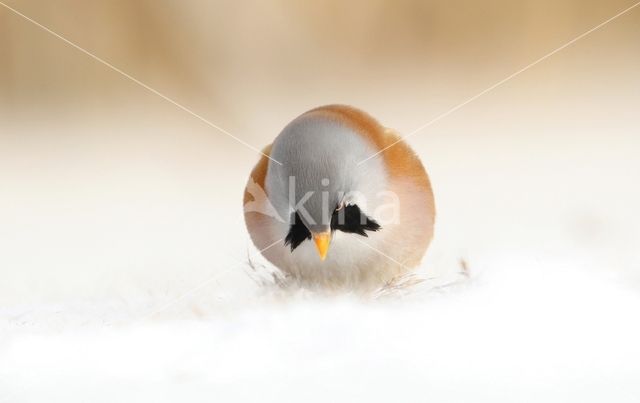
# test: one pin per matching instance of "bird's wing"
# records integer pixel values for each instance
(258, 175)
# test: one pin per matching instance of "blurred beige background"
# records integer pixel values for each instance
(108, 190)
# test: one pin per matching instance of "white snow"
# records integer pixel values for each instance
(513, 333)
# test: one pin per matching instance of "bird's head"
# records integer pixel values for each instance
(320, 187)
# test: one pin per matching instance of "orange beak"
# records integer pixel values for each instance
(322, 240)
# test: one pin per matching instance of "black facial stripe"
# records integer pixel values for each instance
(351, 219)
(298, 232)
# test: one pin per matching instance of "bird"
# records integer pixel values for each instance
(339, 202)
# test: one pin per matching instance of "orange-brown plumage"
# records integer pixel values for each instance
(404, 242)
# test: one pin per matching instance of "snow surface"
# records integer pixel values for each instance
(514, 333)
